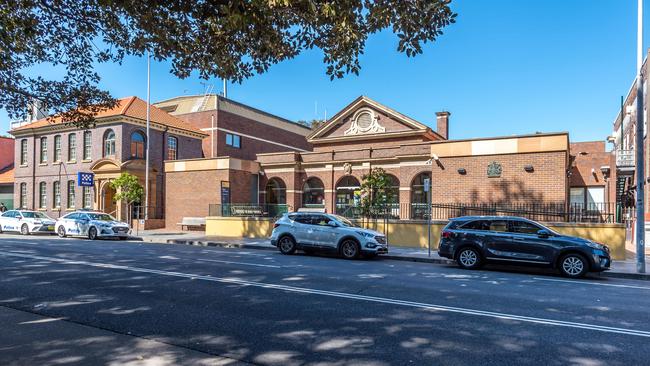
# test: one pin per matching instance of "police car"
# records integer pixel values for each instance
(26, 222)
(92, 225)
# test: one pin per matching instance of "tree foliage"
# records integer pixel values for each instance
(375, 191)
(229, 39)
(128, 188)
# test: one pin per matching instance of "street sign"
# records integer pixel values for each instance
(85, 179)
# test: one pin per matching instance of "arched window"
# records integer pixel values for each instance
(172, 148)
(109, 143)
(276, 192)
(43, 157)
(57, 148)
(42, 195)
(419, 196)
(23, 195)
(348, 195)
(137, 145)
(313, 192)
(72, 147)
(392, 191)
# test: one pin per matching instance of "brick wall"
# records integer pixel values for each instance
(6, 152)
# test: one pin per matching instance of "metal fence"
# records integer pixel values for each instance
(247, 210)
(155, 212)
(549, 212)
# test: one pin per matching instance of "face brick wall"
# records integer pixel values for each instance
(547, 184)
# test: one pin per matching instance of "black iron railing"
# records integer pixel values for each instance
(154, 212)
(247, 210)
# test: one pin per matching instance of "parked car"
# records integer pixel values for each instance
(313, 232)
(26, 222)
(473, 241)
(93, 225)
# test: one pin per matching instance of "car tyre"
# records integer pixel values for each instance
(287, 245)
(92, 233)
(469, 258)
(573, 265)
(349, 249)
(24, 229)
(61, 232)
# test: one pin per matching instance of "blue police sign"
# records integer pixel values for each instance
(85, 179)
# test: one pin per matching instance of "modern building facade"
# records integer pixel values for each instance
(49, 154)
(237, 130)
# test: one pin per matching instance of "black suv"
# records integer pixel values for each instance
(474, 240)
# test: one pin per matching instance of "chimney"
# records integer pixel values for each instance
(442, 119)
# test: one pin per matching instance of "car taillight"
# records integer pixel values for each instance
(276, 225)
(447, 234)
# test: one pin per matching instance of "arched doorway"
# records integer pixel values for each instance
(419, 198)
(348, 195)
(392, 197)
(276, 196)
(313, 193)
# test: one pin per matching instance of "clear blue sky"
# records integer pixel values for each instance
(505, 67)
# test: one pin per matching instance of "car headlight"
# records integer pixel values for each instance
(593, 245)
(366, 235)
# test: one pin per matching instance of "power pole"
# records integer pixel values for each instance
(146, 154)
(640, 160)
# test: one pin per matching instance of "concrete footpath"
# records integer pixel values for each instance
(620, 269)
(30, 339)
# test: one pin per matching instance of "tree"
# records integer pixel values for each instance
(375, 192)
(128, 189)
(229, 39)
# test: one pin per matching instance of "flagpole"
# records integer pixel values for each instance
(146, 171)
(640, 156)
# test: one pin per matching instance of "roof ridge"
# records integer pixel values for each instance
(128, 104)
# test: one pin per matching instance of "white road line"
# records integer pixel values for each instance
(591, 283)
(382, 300)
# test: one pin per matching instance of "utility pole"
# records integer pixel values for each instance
(146, 154)
(640, 160)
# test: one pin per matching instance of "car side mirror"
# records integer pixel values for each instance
(332, 224)
(543, 233)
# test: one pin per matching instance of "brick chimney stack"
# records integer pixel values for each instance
(442, 118)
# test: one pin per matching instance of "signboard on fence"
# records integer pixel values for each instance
(85, 179)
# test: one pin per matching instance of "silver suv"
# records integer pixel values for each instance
(313, 232)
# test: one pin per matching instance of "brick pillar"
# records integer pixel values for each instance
(404, 202)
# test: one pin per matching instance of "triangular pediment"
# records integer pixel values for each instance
(365, 117)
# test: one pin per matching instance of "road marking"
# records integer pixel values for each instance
(381, 300)
(591, 283)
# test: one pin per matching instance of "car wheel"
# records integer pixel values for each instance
(469, 258)
(61, 232)
(350, 249)
(287, 245)
(24, 229)
(92, 233)
(573, 265)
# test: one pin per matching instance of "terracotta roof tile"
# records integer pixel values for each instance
(7, 176)
(131, 107)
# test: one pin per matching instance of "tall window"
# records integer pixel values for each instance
(109, 143)
(23, 152)
(88, 197)
(56, 190)
(43, 159)
(172, 148)
(71, 198)
(42, 195)
(233, 140)
(23, 195)
(313, 192)
(88, 145)
(57, 148)
(72, 147)
(137, 145)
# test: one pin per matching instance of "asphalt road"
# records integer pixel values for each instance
(264, 308)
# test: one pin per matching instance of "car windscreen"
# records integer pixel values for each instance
(344, 221)
(34, 215)
(101, 217)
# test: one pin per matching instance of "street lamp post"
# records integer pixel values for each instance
(146, 154)
(640, 173)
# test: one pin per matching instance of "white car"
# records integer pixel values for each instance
(26, 222)
(92, 225)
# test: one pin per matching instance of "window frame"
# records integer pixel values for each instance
(86, 193)
(57, 149)
(232, 143)
(136, 144)
(23, 152)
(42, 195)
(513, 223)
(43, 150)
(71, 198)
(72, 147)
(108, 144)
(23, 195)
(87, 145)
(170, 149)
(56, 194)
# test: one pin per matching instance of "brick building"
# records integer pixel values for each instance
(237, 130)
(49, 153)
(7, 171)
(527, 169)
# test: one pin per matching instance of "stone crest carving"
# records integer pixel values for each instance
(347, 168)
(364, 121)
(494, 170)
